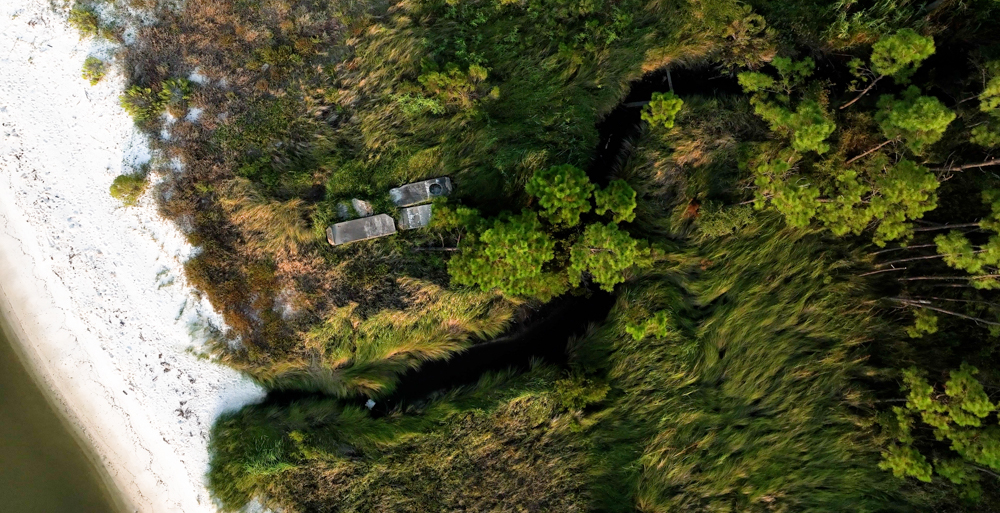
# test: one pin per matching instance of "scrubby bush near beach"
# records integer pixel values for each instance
(94, 70)
(128, 188)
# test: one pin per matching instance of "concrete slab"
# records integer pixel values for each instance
(420, 192)
(360, 229)
(414, 217)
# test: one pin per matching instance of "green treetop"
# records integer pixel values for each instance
(605, 252)
(808, 125)
(979, 261)
(791, 75)
(955, 416)
(662, 110)
(900, 54)
(989, 99)
(563, 192)
(919, 120)
(510, 256)
(902, 193)
(925, 323)
(779, 186)
(849, 202)
(988, 133)
(618, 199)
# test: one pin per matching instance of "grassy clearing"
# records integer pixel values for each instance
(349, 354)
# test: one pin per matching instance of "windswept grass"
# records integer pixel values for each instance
(759, 373)
(502, 445)
(350, 354)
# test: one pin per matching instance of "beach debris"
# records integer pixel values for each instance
(415, 217)
(356, 208)
(362, 208)
(360, 229)
(420, 192)
(343, 210)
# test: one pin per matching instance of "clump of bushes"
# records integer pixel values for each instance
(85, 20)
(145, 104)
(541, 255)
(94, 70)
(142, 103)
(175, 95)
(127, 188)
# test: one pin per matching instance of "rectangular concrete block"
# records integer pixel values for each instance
(420, 192)
(360, 229)
(414, 217)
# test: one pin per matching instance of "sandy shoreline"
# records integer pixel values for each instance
(96, 290)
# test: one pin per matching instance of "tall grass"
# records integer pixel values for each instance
(350, 354)
(751, 402)
(501, 445)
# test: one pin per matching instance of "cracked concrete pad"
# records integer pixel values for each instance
(420, 192)
(415, 217)
(360, 229)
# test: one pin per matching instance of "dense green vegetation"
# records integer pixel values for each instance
(127, 188)
(800, 231)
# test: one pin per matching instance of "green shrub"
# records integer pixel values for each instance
(142, 103)
(718, 221)
(563, 192)
(174, 96)
(662, 110)
(85, 21)
(94, 70)
(128, 188)
(919, 120)
(618, 200)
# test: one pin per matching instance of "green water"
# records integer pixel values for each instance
(43, 468)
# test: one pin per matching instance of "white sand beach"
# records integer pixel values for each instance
(96, 289)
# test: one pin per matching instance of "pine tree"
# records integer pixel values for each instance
(808, 125)
(563, 192)
(510, 256)
(617, 199)
(904, 192)
(900, 54)
(988, 133)
(662, 110)
(919, 120)
(606, 253)
(980, 262)
(955, 416)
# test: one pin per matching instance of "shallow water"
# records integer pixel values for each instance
(43, 469)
